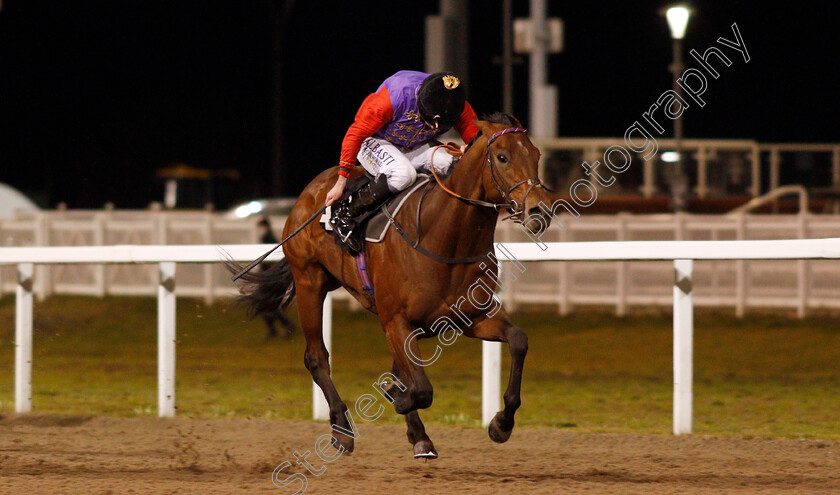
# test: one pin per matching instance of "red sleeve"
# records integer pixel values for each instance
(375, 112)
(466, 124)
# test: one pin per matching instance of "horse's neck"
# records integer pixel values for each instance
(461, 229)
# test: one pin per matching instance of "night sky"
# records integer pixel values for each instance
(95, 96)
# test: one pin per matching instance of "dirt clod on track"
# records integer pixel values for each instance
(99, 455)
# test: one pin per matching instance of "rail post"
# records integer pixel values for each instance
(755, 171)
(622, 269)
(702, 172)
(23, 339)
(741, 277)
(166, 340)
(491, 380)
(803, 282)
(683, 346)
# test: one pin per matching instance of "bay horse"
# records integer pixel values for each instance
(412, 290)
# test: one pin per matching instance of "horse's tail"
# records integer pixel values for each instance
(268, 290)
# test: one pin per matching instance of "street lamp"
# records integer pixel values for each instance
(677, 20)
(677, 16)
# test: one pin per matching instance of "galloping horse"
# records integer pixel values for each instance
(412, 289)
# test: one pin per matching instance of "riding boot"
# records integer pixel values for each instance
(371, 195)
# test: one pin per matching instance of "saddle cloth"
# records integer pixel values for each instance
(377, 224)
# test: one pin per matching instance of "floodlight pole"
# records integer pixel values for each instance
(679, 183)
(507, 56)
(538, 72)
(677, 17)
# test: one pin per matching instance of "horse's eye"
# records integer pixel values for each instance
(502, 158)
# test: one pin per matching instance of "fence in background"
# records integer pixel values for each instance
(716, 167)
(103, 228)
(794, 284)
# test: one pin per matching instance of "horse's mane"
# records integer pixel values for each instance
(501, 118)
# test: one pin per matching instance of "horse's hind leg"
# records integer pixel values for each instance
(312, 287)
(502, 330)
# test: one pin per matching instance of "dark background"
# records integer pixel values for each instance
(95, 96)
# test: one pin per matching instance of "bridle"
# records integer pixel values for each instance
(517, 211)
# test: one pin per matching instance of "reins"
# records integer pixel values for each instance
(517, 211)
(511, 204)
(455, 151)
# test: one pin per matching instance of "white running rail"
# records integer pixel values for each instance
(682, 252)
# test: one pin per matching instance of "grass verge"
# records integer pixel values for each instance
(764, 375)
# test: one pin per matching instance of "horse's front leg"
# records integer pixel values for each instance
(416, 391)
(417, 437)
(416, 432)
(501, 329)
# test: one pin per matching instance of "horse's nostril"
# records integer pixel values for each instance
(535, 211)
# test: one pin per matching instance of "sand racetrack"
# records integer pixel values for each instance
(69, 454)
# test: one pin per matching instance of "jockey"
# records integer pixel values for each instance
(393, 137)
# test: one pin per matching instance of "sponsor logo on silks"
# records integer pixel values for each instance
(376, 152)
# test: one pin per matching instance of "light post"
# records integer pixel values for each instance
(507, 56)
(677, 17)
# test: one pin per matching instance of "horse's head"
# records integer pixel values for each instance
(510, 173)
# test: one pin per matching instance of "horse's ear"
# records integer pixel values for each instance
(484, 127)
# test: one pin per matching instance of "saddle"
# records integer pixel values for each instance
(373, 225)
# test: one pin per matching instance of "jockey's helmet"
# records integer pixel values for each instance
(441, 99)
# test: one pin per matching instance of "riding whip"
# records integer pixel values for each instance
(266, 255)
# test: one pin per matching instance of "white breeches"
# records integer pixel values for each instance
(378, 156)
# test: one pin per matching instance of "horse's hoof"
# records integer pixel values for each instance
(342, 442)
(497, 434)
(425, 450)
